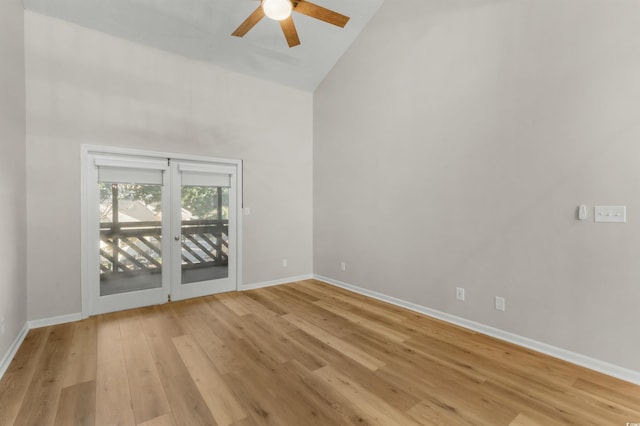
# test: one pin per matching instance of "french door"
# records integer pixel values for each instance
(204, 199)
(158, 229)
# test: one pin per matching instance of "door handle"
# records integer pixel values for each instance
(177, 238)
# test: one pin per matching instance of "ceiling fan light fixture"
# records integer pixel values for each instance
(277, 9)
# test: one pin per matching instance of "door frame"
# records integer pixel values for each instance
(87, 290)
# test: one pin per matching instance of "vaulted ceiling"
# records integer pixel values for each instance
(201, 29)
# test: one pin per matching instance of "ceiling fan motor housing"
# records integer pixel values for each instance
(277, 9)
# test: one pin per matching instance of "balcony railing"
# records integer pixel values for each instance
(131, 248)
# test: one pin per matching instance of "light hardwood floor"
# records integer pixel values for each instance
(298, 354)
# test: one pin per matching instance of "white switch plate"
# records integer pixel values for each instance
(460, 293)
(343, 266)
(611, 214)
(500, 304)
(247, 211)
(285, 263)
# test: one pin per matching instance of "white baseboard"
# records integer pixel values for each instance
(45, 322)
(563, 354)
(13, 349)
(62, 319)
(253, 286)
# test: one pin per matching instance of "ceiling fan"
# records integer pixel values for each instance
(280, 10)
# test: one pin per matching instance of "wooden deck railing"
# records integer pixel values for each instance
(131, 248)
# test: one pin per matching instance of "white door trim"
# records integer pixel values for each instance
(85, 198)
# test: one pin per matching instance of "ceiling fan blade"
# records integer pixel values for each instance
(289, 30)
(250, 22)
(321, 13)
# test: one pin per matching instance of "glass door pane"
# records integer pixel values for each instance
(130, 237)
(205, 233)
(203, 222)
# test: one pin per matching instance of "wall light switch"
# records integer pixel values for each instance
(611, 214)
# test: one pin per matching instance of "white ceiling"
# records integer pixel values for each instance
(200, 29)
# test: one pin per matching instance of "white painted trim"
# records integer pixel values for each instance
(13, 349)
(239, 221)
(563, 354)
(287, 280)
(84, 233)
(62, 319)
(102, 149)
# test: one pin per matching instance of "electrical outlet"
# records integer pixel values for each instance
(500, 304)
(1, 326)
(285, 263)
(460, 293)
(343, 266)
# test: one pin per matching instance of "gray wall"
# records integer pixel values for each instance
(87, 87)
(13, 304)
(452, 145)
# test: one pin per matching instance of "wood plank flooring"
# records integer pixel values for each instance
(303, 353)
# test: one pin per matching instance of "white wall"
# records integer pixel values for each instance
(13, 304)
(87, 87)
(452, 145)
